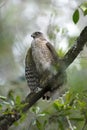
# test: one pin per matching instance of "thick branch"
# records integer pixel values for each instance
(76, 48)
(7, 120)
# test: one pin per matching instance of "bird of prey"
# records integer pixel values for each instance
(41, 64)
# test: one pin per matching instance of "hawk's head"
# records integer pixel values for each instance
(37, 35)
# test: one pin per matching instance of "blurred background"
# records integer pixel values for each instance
(18, 20)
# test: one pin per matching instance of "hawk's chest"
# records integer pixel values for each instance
(41, 55)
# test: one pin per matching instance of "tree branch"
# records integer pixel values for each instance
(76, 48)
(6, 120)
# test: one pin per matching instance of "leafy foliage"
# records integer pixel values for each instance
(61, 113)
(76, 14)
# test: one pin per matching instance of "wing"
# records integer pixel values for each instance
(53, 51)
(53, 67)
(31, 74)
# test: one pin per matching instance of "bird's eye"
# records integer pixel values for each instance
(37, 33)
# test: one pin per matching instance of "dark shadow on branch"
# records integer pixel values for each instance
(7, 120)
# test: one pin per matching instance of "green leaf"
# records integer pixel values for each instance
(83, 7)
(18, 100)
(0, 107)
(35, 110)
(23, 117)
(60, 124)
(58, 105)
(39, 126)
(3, 98)
(77, 118)
(45, 123)
(11, 95)
(76, 16)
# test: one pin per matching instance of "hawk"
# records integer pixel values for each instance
(41, 64)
